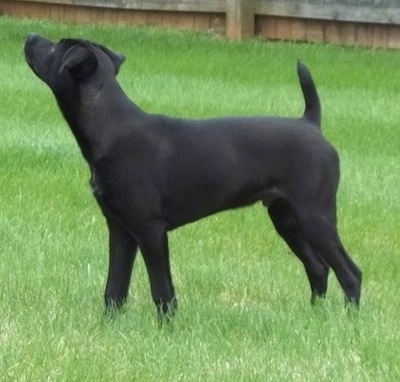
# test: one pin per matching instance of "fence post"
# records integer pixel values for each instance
(239, 19)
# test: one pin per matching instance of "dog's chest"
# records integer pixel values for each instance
(95, 184)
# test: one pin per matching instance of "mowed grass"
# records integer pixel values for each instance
(244, 312)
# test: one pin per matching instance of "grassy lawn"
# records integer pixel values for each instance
(244, 312)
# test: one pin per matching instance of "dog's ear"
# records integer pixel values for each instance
(80, 61)
(120, 58)
(117, 58)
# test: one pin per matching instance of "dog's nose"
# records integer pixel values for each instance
(31, 36)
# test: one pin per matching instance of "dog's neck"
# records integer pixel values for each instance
(88, 107)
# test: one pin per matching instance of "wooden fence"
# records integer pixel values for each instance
(371, 23)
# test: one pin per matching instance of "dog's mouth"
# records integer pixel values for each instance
(30, 60)
(29, 49)
(28, 53)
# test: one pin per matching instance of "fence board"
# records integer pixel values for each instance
(239, 18)
(315, 30)
(370, 23)
(340, 33)
(368, 11)
(217, 6)
(393, 37)
(299, 29)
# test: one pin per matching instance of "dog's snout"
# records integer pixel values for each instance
(36, 39)
(31, 40)
(33, 49)
(31, 37)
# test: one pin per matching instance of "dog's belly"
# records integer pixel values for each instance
(180, 209)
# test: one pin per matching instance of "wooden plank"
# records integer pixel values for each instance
(218, 23)
(283, 28)
(109, 16)
(202, 21)
(155, 18)
(393, 37)
(82, 15)
(364, 35)
(56, 12)
(340, 33)
(266, 27)
(35, 11)
(239, 19)
(269, 27)
(315, 31)
(70, 14)
(217, 6)
(299, 29)
(370, 11)
(139, 17)
(115, 16)
(187, 21)
(379, 36)
(176, 20)
(347, 33)
(332, 32)
(132, 17)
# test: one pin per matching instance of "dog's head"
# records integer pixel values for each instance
(63, 64)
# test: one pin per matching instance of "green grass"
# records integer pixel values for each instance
(244, 312)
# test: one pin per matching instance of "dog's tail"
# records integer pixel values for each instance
(313, 107)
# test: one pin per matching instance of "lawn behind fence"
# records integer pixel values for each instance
(244, 298)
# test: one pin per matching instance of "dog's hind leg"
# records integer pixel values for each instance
(319, 227)
(123, 248)
(153, 243)
(286, 224)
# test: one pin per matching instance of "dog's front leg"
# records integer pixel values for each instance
(153, 244)
(123, 248)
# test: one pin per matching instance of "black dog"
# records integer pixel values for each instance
(152, 173)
